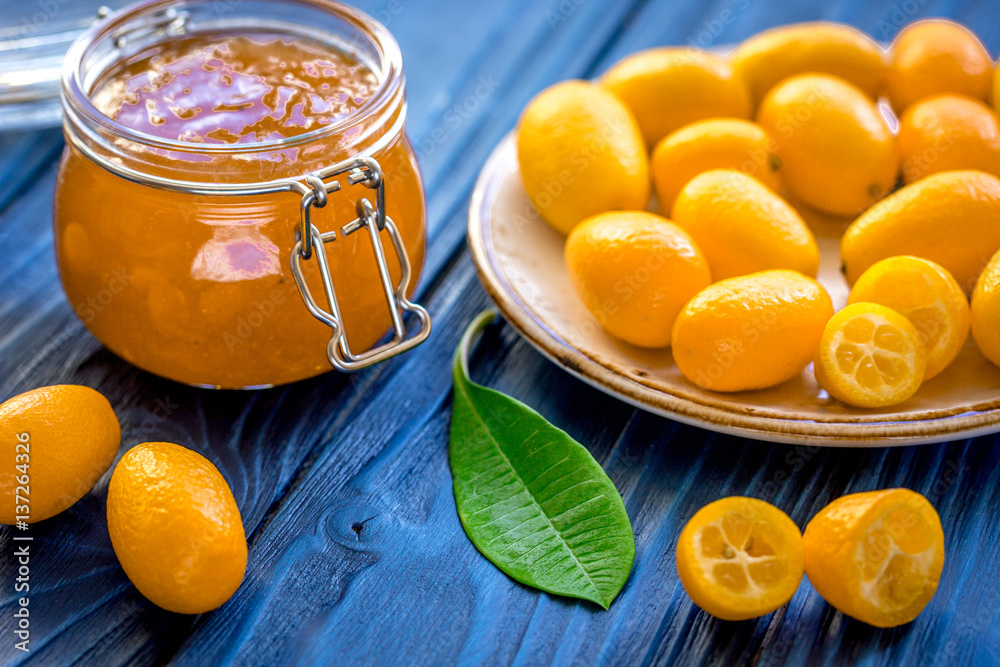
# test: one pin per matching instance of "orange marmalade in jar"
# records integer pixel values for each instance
(238, 205)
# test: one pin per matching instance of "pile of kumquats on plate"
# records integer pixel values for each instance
(740, 150)
(814, 121)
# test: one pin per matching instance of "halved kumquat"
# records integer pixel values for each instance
(876, 556)
(740, 558)
(870, 356)
(927, 295)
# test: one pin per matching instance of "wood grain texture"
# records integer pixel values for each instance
(307, 461)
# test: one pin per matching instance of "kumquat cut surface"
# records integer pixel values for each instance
(927, 295)
(740, 558)
(870, 356)
(876, 556)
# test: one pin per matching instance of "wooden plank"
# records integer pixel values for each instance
(22, 157)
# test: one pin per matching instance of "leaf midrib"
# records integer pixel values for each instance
(465, 392)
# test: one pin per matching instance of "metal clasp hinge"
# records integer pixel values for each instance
(309, 241)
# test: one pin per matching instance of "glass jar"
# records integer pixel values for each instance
(240, 265)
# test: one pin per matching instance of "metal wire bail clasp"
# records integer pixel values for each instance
(309, 241)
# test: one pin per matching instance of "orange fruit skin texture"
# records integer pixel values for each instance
(783, 539)
(73, 436)
(831, 543)
(175, 528)
(986, 311)
(742, 227)
(715, 143)
(751, 332)
(927, 295)
(580, 153)
(667, 88)
(937, 56)
(995, 88)
(837, 154)
(634, 271)
(820, 47)
(948, 132)
(951, 218)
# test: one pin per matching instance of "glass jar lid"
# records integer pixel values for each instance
(34, 38)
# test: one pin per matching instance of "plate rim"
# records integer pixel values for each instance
(718, 419)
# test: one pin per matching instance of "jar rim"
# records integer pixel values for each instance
(388, 69)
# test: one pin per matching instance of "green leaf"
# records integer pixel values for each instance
(532, 499)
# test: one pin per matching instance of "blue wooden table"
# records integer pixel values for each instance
(309, 461)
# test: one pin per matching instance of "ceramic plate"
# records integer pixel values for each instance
(520, 261)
